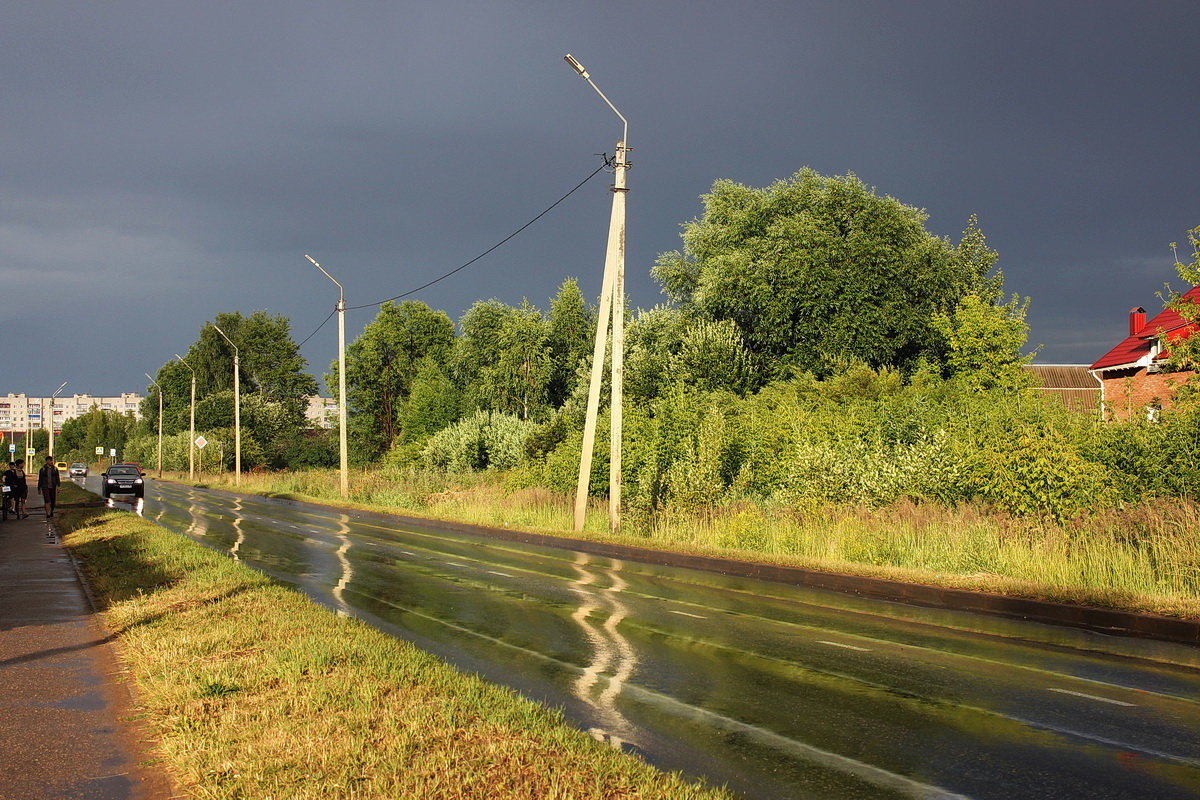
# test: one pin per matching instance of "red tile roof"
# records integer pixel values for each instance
(1137, 345)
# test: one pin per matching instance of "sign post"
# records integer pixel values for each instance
(200, 442)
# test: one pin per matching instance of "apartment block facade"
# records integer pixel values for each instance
(19, 412)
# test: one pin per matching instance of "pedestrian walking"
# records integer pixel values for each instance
(48, 481)
(8, 482)
(20, 488)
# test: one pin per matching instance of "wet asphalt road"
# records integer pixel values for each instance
(776, 691)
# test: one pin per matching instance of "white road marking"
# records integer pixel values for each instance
(846, 646)
(1096, 697)
(456, 564)
(686, 614)
(502, 574)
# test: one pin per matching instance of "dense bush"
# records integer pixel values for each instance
(484, 440)
(872, 437)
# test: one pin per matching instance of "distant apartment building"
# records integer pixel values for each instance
(19, 412)
(322, 412)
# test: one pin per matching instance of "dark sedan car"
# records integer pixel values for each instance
(123, 479)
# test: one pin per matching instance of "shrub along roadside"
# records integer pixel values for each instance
(254, 691)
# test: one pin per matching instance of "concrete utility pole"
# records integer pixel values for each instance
(237, 409)
(160, 413)
(191, 424)
(612, 307)
(343, 450)
(53, 397)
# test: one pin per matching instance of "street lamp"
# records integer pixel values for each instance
(237, 408)
(53, 397)
(191, 425)
(612, 304)
(160, 413)
(342, 448)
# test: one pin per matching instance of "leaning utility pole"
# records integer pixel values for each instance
(612, 308)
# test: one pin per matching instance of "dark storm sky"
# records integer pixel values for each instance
(164, 162)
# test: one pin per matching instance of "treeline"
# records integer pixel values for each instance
(819, 345)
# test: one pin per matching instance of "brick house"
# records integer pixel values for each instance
(1131, 375)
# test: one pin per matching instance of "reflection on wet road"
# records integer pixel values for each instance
(778, 691)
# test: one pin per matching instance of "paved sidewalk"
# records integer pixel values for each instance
(62, 706)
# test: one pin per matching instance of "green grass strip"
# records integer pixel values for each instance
(253, 691)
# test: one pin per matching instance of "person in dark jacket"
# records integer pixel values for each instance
(48, 481)
(9, 480)
(20, 489)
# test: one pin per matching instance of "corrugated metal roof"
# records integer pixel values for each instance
(1137, 345)
(1062, 376)
(1071, 383)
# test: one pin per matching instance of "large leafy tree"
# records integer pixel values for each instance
(273, 383)
(270, 365)
(382, 363)
(478, 350)
(818, 270)
(519, 380)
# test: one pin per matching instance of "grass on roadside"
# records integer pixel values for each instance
(1143, 558)
(253, 691)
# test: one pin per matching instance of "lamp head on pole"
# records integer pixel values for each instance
(575, 65)
(341, 289)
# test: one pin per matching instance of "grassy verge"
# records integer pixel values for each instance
(1144, 558)
(255, 692)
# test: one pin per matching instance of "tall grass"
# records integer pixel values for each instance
(1144, 557)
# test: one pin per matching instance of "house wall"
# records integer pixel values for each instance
(1128, 392)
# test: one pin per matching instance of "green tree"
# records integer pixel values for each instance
(569, 333)
(518, 382)
(985, 340)
(818, 270)
(270, 365)
(478, 349)
(666, 347)
(1185, 350)
(432, 403)
(382, 363)
(272, 362)
(97, 428)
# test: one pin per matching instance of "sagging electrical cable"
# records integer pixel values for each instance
(606, 163)
(496, 246)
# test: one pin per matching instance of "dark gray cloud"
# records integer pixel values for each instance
(161, 163)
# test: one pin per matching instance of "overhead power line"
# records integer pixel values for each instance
(314, 333)
(494, 247)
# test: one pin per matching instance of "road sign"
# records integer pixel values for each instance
(112, 452)
(99, 451)
(201, 441)
(29, 451)
(12, 447)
